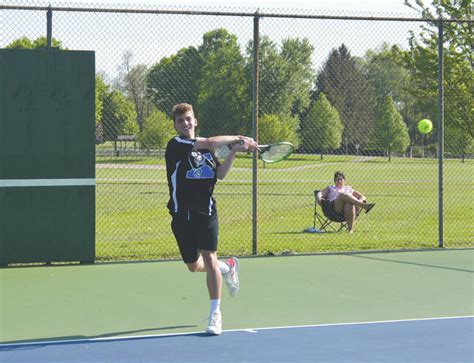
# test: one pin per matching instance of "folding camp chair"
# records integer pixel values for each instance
(326, 221)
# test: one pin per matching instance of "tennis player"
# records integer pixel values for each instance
(192, 170)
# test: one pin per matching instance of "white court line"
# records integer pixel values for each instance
(247, 330)
(14, 183)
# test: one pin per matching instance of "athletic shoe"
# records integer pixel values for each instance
(214, 326)
(231, 278)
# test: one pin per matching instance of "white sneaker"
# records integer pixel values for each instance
(214, 326)
(231, 278)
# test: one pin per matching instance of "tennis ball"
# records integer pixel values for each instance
(425, 126)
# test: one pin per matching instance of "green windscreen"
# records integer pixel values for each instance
(47, 156)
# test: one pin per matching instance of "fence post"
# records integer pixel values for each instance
(440, 132)
(49, 27)
(255, 93)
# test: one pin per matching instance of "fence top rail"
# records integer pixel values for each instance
(221, 13)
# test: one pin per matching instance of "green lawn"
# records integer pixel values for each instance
(133, 223)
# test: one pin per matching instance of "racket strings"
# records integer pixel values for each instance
(276, 152)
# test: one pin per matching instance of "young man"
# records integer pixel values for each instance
(192, 170)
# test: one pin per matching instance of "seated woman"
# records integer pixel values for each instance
(341, 203)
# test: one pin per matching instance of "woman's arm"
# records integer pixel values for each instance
(358, 195)
(323, 194)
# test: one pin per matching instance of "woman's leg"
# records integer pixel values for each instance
(350, 214)
(342, 199)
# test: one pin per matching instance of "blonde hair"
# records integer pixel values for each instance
(181, 108)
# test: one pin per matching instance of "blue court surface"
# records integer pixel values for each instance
(448, 339)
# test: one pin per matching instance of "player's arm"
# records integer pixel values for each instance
(224, 168)
(215, 142)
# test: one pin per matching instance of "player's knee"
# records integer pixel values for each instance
(210, 261)
(193, 267)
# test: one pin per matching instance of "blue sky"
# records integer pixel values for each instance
(149, 41)
(374, 6)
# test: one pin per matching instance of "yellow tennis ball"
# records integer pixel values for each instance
(425, 126)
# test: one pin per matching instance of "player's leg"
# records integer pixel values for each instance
(214, 287)
(207, 239)
(197, 266)
(187, 243)
(214, 276)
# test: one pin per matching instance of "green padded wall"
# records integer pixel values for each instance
(47, 156)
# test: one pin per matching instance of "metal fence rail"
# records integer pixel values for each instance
(348, 91)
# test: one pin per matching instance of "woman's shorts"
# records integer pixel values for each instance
(329, 211)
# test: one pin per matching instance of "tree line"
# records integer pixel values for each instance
(368, 104)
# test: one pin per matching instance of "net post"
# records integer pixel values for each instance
(255, 93)
(49, 28)
(440, 132)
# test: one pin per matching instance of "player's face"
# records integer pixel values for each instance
(185, 124)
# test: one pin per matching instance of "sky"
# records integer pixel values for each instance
(110, 36)
(374, 6)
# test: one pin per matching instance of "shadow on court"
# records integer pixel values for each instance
(80, 338)
(412, 263)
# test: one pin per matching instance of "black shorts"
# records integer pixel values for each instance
(195, 232)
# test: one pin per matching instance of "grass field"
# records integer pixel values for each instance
(133, 223)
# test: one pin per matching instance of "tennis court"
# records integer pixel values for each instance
(396, 307)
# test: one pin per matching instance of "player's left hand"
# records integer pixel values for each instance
(246, 144)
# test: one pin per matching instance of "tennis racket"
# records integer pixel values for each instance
(271, 153)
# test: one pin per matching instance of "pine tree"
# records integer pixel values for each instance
(347, 89)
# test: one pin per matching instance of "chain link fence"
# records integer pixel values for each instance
(347, 91)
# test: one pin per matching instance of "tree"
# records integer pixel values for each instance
(101, 89)
(390, 130)
(157, 131)
(387, 76)
(223, 102)
(458, 34)
(132, 82)
(175, 79)
(322, 127)
(458, 142)
(275, 128)
(422, 61)
(38, 43)
(344, 85)
(286, 75)
(118, 116)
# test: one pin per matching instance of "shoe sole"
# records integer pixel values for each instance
(212, 332)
